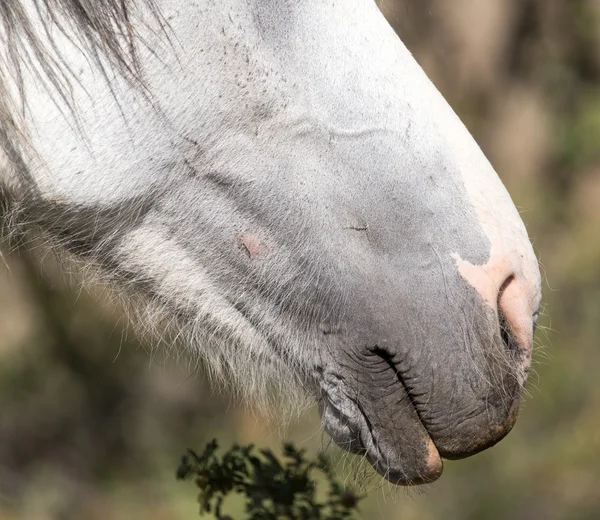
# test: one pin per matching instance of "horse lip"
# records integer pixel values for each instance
(433, 467)
(361, 439)
(413, 435)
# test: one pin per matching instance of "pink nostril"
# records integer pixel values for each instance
(514, 304)
(510, 284)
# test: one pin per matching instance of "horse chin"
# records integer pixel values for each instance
(416, 461)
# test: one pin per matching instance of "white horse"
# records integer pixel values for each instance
(283, 182)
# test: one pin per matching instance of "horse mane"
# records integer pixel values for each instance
(103, 29)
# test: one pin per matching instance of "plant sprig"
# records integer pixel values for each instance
(274, 490)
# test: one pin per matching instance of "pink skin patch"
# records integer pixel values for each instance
(253, 245)
(503, 283)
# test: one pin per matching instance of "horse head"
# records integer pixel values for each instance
(282, 181)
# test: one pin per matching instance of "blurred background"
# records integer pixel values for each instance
(92, 426)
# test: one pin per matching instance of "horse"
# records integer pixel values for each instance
(282, 183)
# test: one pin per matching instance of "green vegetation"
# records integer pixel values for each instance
(273, 490)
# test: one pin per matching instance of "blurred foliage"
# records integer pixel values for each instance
(274, 490)
(89, 428)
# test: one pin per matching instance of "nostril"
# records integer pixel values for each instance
(517, 323)
(505, 333)
(509, 284)
(503, 287)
